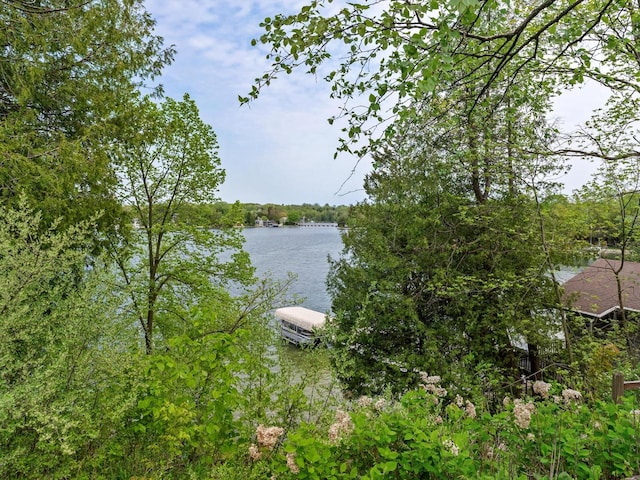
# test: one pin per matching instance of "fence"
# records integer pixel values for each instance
(620, 386)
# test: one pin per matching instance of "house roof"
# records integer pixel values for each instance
(594, 292)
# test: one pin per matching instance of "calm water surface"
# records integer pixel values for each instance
(303, 251)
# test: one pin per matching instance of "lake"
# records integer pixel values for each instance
(300, 250)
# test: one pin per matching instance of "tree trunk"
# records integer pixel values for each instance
(535, 361)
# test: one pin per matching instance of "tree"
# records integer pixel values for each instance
(615, 186)
(167, 160)
(294, 216)
(476, 64)
(65, 66)
(394, 53)
(444, 268)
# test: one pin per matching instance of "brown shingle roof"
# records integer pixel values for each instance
(594, 292)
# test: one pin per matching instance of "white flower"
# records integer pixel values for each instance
(343, 425)
(529, 406)
(429, 380)
(470, 409)
(268, 436)
(429, 387)
(254, 452)
(571, 395)
(453, 448)
(522, 413)
(291, 463)
(441, 392)
(541, 388)
(380, 404)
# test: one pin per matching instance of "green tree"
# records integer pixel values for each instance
(444, 270)
(394, 52)
(65, 66)
(615, 188)
(169, 159)
(250, 218)
(294, 216)
(476, 70)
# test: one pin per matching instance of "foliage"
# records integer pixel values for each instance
(297, 213)
(444, 268)
(455, 251)
(422, 436)
(78, 400)
(613, 189)
(169, 160)
(68, 372)
(382, 58)
(206, 395)
(188, 409)
(447, 264)
(192, 410)
(64, 68)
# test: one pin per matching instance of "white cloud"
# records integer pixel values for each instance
(279, 148)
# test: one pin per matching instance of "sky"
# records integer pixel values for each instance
(280, 148)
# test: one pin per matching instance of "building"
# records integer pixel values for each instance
(593, 293)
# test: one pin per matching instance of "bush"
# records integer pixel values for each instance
(66, 370)
(424, 435)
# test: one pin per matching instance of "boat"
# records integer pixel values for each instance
(300, 325)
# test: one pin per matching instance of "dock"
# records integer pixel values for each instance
(316, 224)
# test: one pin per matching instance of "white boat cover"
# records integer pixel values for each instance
(302, 317)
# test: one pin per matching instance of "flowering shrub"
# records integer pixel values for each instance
(541, 388)
(426, 436)
(342, 426)
(522, 413)
(268, 436)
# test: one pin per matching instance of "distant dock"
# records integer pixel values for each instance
(316, 224)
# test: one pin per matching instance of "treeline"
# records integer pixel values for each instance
(599, 221)
(213, 215)
(586, 218)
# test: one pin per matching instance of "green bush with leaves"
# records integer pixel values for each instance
(67, 372)
(187, 410)
(203, 397)
(428, 435)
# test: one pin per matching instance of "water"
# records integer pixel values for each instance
(303, 251)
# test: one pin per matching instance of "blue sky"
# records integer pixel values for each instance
(280, 148)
